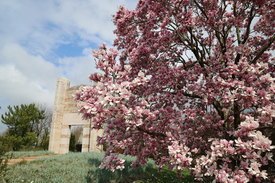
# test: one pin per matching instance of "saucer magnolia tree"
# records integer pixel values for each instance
(189, 83)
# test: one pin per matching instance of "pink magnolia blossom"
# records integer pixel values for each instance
(112, 163)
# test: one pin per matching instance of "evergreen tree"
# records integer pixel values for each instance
(23, 122)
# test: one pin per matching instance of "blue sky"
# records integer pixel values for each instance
(41, 41)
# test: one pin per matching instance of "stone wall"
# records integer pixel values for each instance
(66, 115)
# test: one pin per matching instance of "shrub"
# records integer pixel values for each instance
(4, 157)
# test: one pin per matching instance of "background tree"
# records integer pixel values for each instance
(78, 131)
(28, 126)
(189, 84)
(72, 145)
(76, 138)
(43, 128)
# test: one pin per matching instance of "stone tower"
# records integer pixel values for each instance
(65, 116)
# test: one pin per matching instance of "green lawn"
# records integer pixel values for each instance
(83, 167)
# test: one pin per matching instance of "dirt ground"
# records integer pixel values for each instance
(29, 158)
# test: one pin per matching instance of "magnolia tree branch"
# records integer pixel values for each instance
(263, 49)
(153, 134)
(248, 27)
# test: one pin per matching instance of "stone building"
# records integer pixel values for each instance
(65, 116)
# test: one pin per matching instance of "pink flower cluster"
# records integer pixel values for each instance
(237, 161)
(179, 155)
(112, 162)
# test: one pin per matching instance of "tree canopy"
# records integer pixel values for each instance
(189, 84)
(27, 125)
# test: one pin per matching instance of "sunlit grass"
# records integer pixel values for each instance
(83, 167)
(20, 154)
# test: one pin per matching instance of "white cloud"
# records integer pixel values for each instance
(27, 78)
(24, 77)
(17, 88)
(30, 32)
(43, 25)
(77, 69)
(33, 67)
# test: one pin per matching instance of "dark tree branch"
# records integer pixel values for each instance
(218, 108)
(238, 57)
(191, 95)
(201, 9)
(153, 134)
(237, 28)
(237, 118)
(250, 18)
(264, 48)
(218, 36)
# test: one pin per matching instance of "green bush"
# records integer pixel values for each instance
(11, 142)
(3, 164)
(3, 160)
(15, 143)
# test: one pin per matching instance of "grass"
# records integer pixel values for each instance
(83, 167)
(20, 154)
